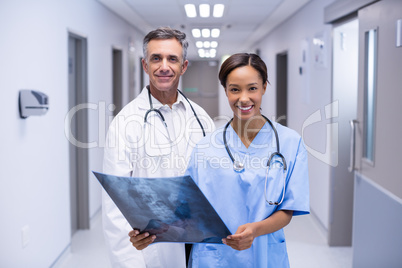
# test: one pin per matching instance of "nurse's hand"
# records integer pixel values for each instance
(140, 241)
(243, 238)
(245, 234)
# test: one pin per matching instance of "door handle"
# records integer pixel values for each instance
(352, 166)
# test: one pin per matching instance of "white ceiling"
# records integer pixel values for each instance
(244, 23)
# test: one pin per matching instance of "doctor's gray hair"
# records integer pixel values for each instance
(163, 33)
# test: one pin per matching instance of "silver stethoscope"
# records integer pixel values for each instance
(152, 109)
(275, 159)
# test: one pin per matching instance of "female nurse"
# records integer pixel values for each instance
(254, 200)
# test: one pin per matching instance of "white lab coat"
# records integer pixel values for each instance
(125, 155)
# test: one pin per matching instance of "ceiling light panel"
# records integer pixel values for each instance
(207, 53)
(196, 33)
(204, 10)
(212, 53)
(191, 12)
(206, 33)
(215, 33)
(218, 10)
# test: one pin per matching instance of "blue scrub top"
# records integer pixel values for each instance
(239, 197)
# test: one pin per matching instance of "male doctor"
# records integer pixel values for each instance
(158, 148)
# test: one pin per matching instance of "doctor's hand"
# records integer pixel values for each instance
(140, 241)
(243, 238)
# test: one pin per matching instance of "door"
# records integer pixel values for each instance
(282, 88)
(377, 218)
(344, 93)
(117, 80)
(200, 84)
(78, 124)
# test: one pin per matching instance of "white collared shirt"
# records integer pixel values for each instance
(175, 118)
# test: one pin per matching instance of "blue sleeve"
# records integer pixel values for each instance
(297, 185)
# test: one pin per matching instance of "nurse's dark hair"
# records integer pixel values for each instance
(240, 60)
(163, 33)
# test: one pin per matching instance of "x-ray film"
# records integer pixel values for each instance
(174, 209)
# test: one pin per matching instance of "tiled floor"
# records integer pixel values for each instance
(306, 247)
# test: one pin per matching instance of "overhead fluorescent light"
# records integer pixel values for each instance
(204, 10)
(214, 44)
(212, 53)
(215, 33)
(201, 53)
(207, 53)
(218, 10)
(206, 33)
(196, 33)
(199, 44)
(191, 12)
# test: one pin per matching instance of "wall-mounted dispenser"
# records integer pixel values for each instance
(32, 102)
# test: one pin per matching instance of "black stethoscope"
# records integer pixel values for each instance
(152, 109)
(239, 167)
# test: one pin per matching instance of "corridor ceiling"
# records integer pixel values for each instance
(244, 22)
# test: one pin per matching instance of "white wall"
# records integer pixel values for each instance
(307, 93)
(34, 171)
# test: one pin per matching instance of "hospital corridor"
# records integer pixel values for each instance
(115, 104)
(306, 246)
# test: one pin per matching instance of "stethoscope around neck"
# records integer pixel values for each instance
(152, 109)
(239, 167)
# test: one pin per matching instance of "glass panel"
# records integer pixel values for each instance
(370, 92)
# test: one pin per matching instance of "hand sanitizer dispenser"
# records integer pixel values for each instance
(32, 103)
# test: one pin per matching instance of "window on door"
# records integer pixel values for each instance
(370, 93)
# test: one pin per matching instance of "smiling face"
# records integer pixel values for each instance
(164, 65)
(244, 89)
